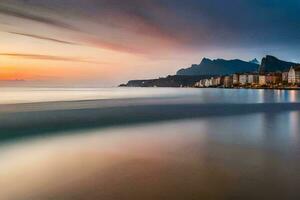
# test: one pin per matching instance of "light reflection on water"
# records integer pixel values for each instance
(27, 95)
(294, 126)
(237, 155)
(254, 156)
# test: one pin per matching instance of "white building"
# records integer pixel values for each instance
(294, 75)
(253, 79)
(243, 79)
(207, 83)
(199, 84)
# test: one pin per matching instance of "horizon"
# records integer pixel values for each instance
(149, 99)
(105, 43)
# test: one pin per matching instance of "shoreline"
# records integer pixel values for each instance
(258, 88)
(237, 88)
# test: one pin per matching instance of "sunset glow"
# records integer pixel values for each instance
(109, 42)
(149, 99)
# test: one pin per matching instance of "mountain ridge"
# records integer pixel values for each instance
(255, 61)
(208, 68)
(218, 67)
(273, 64)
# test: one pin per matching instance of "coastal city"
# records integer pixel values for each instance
(270, 73)
(281, 80)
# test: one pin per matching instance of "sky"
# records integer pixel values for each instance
(107, 42)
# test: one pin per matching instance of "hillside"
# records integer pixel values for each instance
(169, 81)
(219, 67)
(273, 64)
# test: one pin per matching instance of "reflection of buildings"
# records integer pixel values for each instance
(280, 128)
(293, 96)
(294, 118)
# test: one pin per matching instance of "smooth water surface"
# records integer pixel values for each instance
(12, 95)
(245, 144)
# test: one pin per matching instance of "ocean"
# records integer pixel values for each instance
(149, 143)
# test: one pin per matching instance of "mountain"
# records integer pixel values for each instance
(219, 67)
(169, 81)
(273, 64)
(210, 68)
(254, 61)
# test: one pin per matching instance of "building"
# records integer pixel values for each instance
(221, 80)
(207, 83)
(262, 80)
(277, 78)
(294, 75)
(285, 77)
(235, 79)
(211, 82)
(253, 79)
(228, 81)
(202, 83)
(218, 81)
(199, 84)
(243, 79)
(273, 79)
(214, 82)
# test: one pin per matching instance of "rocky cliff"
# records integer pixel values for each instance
(273, 64)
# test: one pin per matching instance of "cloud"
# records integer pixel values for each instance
(110, 45)
(36, 18)
(151, 26)
(43, 38)
(48, 57)
(123, 26)
(87, 41)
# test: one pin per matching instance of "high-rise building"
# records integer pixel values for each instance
(294, 75)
